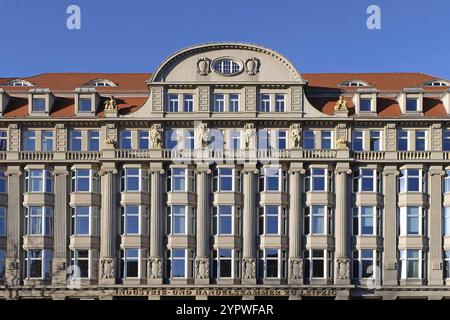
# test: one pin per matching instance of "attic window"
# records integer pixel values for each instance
(18, 83)
(101, 83)
(437, 83)
(354, 83)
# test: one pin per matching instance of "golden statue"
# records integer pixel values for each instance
(341, 104)
(111, 104)
(341, 144)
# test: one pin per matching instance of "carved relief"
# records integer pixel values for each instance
(248, 268)
(295, 136)
(252, 66)
(341, 144)
(202, 268)
(155, 137)
(154, 268)
(60, 266)
(249, 136)
(342, 268)
(295, 268)
(107, 268)
(202, 135)
(111, 104)
(203, 66)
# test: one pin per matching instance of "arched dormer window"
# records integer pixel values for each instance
(101, 83)
(18, 83)
(354, 83)
(436, 83)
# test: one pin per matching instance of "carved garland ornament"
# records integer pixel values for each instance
(203, 66)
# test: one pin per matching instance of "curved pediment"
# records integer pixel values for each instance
(227, 62)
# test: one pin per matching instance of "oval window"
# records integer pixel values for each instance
(226, 66)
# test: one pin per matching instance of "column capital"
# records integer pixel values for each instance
(202, 170)
(296, 167)
(13, 172)
(60, 172)
(389, 171)
(105, 171)
(156, 170)
(342, 168)
(436, 171)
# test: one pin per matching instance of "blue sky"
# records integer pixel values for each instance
(136, 35)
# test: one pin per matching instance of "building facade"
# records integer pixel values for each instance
(225, 173)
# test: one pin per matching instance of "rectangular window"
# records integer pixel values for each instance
(223, 220)
(226, 264)
(315, 264)
(411, 104)
(179, 180)
(189, 139)
(29, 140)
(375, 140)
(365, 221)
(234, 103)
(129, 266)
(132, 180)
(235, 140)
(144, 140)
(188, 103)
(357, 140)
(181, 220)
(93, 140)
(47, 140)
(365, 105)
(272, 264)
(84, 105)
(38, 105)
(171, 138)
(39, 221)
(80, 260)
(402, 140)
(326, 140)
(282, 140)
(3, 182)
(366, 180)
(134, 220)
(38, 180)
(2, 222)
(84, 221)
(225, 178)
(264, 103)
(445, 140)
(421, 142)
(364, 264)
(272, 220)
(179, 261)
(411, 222)
(318, 179)
(75, 141)
(446, 221)
(411, 264)
(3, 140)
(38, 264)
(2, 263)
(279, 103)
(411, 180)
(219, 103)
(84, 180)
(318, 220)
(172, 103)
(125, 139)
(264, 139)
(309, 140)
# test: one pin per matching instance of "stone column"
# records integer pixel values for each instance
(342, 236)
(60, 225)
(14, 224)
(108, 225)
(435, 226)
(202, 227)
(249, 225)
(295, 223)
(154, 267)
(389, 273)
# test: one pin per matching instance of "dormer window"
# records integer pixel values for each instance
(101, 83)
(365, 105)
(38, 105)
(411, 104)
(354, 83)
(18, 83)
(84, 105)
(437, 83)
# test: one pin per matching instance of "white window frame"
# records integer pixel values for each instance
(46, 220)
(74, 258)
(93, 180)
(282, 220)
(405, 215)
(404, 180)
(125, 259)
(173, 103)
(323, 139)
(189, 220)
(235, 261)
(218, 102)
(126, 175)
(376, 223)
(280, 102)
(264, 103)
(233, 104)
(188, 102)
(188, 262)
(45, 258)
(360, 259)
(404, 264)
(281, 263)
(93, 218)
(142, 217)
(45, 177)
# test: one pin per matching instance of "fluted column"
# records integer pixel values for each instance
(14, 221)
(60, 229)
(295, 223)
(249, 225)
(154, 268)
(202, 226)
(342, 260)
(435, 223)
(108, 225)
(389, 274)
